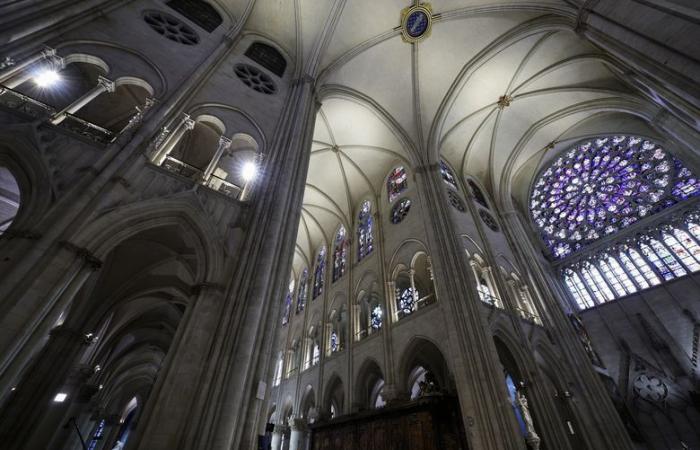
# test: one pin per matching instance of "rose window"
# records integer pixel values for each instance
(601, 186)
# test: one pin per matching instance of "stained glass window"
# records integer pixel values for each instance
(319, 272)
(667, 258)
(400, 210)
(303, 286)
(447, 175)
(684, 247)
(406, 301)
(365, 231)
(340, 254)
(485, 294)
(621, 275)
(646, 270)
(601, 186)
(97, 436)
(578, 290)
(288, 302)
(376, 317)
(335, 342)
(615, 279)
(396, 183)
(694, 230)
(478, 194)
(316, 355)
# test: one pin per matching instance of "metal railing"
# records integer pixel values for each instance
(529, 316)
(35, 109)
(12, 99)
(227, 188)
(181, 168)
(86, 129)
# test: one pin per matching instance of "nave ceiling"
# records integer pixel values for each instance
(497, 89)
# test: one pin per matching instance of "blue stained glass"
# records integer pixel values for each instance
(406, 300)
(447, 175)
(319, 273)
(603, 185)
(288, 303)
(376, 317)
(513, 396)
(303, 286)
(365, 234)
(98, 435)
(417, 23)
(335, 343)
(340, 254)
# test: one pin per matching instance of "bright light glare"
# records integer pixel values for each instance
(60, 397)
(46, 78)
(250, 171)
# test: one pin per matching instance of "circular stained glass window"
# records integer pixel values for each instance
(601, 186)
(170, 27)
(400, 210)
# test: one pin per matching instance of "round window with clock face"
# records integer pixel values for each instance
(415, 22)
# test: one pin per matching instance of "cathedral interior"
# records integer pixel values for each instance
(349, 224)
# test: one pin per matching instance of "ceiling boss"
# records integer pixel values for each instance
(416, 22)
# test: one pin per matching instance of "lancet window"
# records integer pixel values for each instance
(319, 272)
(303, 286)
(287, 307)
(447, 175)
(660, 254)
(396, 183)
(340, 254)
(365, 231)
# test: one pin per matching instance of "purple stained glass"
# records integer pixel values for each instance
(603, 185)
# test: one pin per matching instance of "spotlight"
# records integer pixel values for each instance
(46, 78)
(60, 397)
(250, 171)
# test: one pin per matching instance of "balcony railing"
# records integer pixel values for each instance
(181, 168)
(86, 129)
(23, 104)
(35, 109)
(529, 316)
(224, 187)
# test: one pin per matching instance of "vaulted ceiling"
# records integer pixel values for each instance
(496, 89)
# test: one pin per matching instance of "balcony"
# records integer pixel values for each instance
(29, 108)
(214, 182)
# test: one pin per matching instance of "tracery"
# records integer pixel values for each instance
(340, 254)
(601, 186)
(319, 272)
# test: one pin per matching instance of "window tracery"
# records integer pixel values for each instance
(319, 272)
(601, 186)
(478, 194)
(661, 254)
(396, 183)
(365, 231)
(405, 300)
(340, 254)
(376, 317)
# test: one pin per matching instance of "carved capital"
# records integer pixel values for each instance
(48, 52)
(106, 83)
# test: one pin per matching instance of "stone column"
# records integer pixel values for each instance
(103, 85)
(489, 423)
(17, 69)
(168, 412)
(277, 435)
(297, 437)
(165, 144)
(31, 414)
(258, 285)
(56, 304)
(224, 144)
(600, 424)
